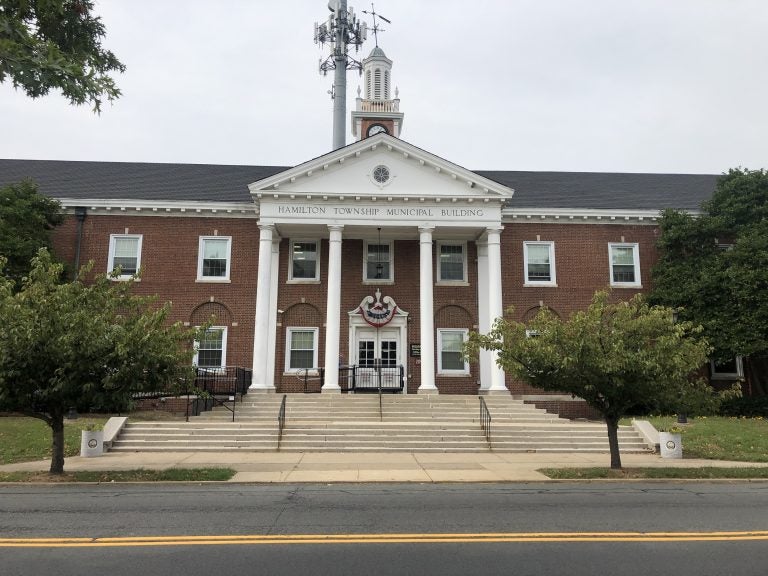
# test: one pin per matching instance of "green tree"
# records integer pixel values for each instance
(714, 268)
(26, 220)
(47, 44)
(82, 344)
(614, 356)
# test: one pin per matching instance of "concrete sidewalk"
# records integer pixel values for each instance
(367, 467)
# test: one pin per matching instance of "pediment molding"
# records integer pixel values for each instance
(346, 174)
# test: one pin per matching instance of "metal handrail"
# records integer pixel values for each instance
(281, 421)
(303, 375)
(485, 420)
(381, 411)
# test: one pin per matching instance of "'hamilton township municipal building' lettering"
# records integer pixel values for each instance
(418, 212)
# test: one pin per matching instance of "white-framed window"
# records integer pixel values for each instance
(301, 349)
(125, 253)
(732, 369)
(211, 349)
(539, 263)
(450, 346)
(451, 262)
(378, 262)
(624, 262)
(305, 260)
(213, 258)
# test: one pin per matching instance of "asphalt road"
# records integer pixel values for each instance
(553, 528)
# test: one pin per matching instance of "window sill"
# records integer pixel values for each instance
(214, 280)
(381, 282)
(726, 377)
(626, 285)
(453, 374)
(302, 281)
(540, 285)
(125, 279)
(452, 283)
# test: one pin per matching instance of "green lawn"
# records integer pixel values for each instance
(140, 475)
(708, 473)
(721, 438)
(23, 439)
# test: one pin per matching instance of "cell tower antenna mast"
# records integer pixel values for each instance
(341, 30)
(376, 28)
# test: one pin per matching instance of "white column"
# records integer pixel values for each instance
(486, 360)
(273, 289)
(426, 312)
(333, 311)
(261, 335)
(495, 307)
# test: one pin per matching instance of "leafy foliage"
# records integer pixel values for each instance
(47, 44)
(611, 355)
(714, 267)
(26, 219)
(79, 344)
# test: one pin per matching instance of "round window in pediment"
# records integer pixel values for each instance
(381, 174)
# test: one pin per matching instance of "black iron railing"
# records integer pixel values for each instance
(377, 378)
(281, 421)
(208, 388)
(308, 375)
(217, 387)
(485, 420)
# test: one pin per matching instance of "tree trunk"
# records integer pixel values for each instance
(613, 441)
(57, 447)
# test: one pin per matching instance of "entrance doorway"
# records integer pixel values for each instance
(378, 332)
(378, 359)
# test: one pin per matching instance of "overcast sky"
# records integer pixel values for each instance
(564, 85)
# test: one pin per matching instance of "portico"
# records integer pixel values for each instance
(373, 196)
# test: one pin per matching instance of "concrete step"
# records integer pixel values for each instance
(351, 423)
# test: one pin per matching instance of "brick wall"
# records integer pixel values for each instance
(169, 268)
(170, 257)
(582, 266)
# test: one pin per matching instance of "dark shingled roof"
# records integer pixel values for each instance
(605, 189)
(137, 180)
(217, 183)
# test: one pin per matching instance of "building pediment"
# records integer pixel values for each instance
(379, 168)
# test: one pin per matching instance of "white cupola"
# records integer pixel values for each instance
(377, 70)
(376, 111)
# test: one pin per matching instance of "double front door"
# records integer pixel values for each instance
(378, 358)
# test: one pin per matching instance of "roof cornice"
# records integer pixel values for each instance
(162, 207)
(584, 215)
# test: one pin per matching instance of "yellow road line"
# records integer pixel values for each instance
(257, 539)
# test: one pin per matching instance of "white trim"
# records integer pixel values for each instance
(383, 281)
(485, 188)
(638, 283)
(111, 257)
(201, 252)
(137, 207)
(449, 372)
(738, 375)
(552, 270)
(584, 215)
(465, 279)
(223, 347)
(318, 245)
(288, 333)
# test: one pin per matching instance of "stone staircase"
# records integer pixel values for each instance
(351, 423)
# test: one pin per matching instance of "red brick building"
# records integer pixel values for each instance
(378, 256)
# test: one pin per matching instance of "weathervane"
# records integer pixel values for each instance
(376, 29)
